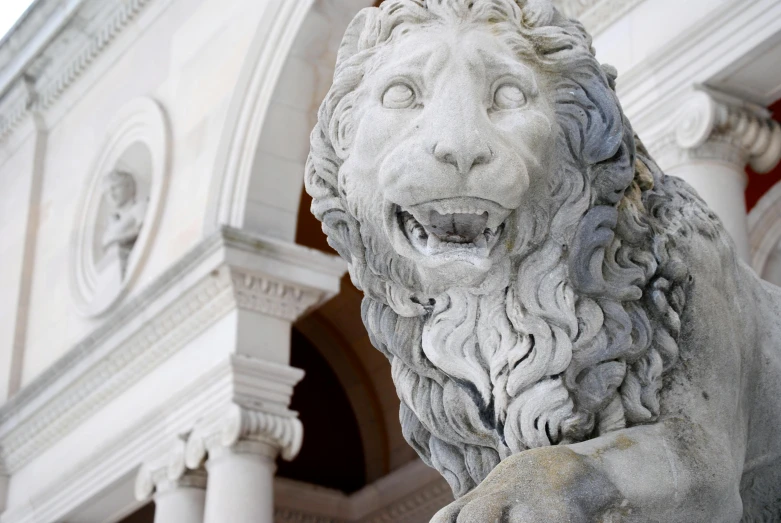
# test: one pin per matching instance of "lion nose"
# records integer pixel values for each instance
(464, 156)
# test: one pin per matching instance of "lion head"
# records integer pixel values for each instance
(472, 164)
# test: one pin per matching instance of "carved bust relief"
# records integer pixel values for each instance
(570, 332)
(119, 207)
(126, 214)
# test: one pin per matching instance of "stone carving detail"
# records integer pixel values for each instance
(119, 208)
(125, 217)
(570, 333)
(738, 131)
(283, 433)
(168, 472)
(267, 296)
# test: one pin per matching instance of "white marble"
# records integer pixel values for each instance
(549, 298)
(239, 82)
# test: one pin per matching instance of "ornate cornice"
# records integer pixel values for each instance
(714, 126)
(596, 15)
(144, 332)
(52, 46)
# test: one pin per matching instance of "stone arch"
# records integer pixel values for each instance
(357, 386)
(259, 169)
(765, 235)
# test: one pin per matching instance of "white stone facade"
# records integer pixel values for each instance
(175, 385)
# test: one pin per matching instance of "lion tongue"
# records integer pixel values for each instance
(457, 227)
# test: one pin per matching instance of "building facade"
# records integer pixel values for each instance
(177, 341)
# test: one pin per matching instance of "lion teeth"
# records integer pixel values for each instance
(454, 208)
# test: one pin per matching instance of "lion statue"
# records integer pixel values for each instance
(570, 332)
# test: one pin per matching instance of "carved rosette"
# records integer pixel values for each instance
(719, 127)
(168, 472)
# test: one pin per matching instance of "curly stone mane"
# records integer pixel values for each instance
(573, 335)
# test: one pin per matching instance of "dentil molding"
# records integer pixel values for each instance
(286, 281)
(52, 47)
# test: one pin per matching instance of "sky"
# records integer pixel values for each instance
(10, 11)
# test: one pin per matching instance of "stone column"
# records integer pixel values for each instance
(178, 493)
(715, 137)
(242, 483)
(239, 448)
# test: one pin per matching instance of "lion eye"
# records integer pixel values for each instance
(509, 96)
(398, 96)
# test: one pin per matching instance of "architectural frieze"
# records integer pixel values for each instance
(142, 333)
(74, 35)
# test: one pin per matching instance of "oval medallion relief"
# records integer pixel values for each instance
(120, 207)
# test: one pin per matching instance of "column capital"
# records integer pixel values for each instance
(244, 430)
(715, 126)
(168, 472)
(256, 419)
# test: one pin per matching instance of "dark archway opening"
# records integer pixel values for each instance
(332, 455)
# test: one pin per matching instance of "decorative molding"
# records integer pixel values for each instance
(272, 298)
(596, 15)
(141, 334)
(413, 494)
(652, 90)
(244, 430)
(258, 413)
(146, 441)
(419, 506)
(730, 123)
(167, 473)
(138, 143)
(53, 46)
(710, 125)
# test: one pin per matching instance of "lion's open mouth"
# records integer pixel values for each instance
(466, 227)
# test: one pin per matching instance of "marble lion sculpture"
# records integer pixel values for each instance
(570, 332)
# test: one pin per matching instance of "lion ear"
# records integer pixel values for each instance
(354, 39)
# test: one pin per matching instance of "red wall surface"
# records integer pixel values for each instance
(759, 184)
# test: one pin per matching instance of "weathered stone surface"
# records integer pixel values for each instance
(571, 334)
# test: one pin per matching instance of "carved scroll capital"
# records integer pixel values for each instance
(256, 417)
(716, 126)
(246, 430)
(167, 472)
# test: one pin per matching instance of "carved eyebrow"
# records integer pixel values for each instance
(500, 65)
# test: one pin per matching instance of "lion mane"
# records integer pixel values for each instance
(573, 336)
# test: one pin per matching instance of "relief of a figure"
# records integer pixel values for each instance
(126, 215)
